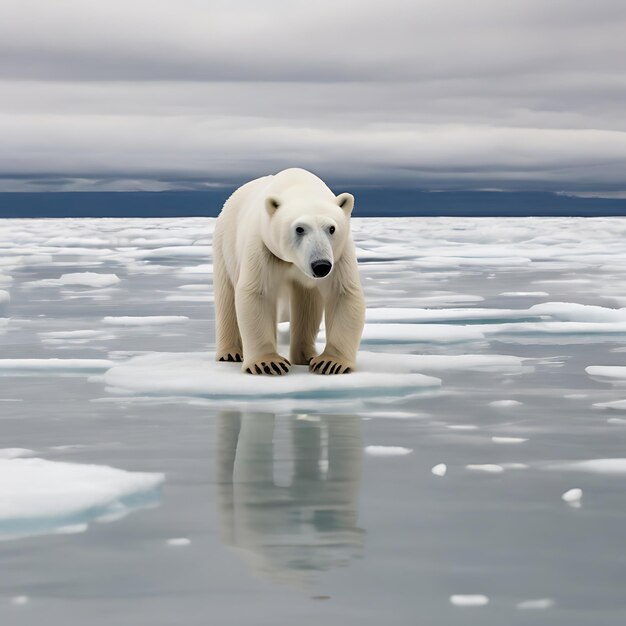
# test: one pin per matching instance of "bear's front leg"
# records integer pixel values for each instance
(307, 306)
(345, 318)
(256, 315)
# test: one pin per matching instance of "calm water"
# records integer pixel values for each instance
(290, 517)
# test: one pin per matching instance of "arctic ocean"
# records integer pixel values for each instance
(470, 472)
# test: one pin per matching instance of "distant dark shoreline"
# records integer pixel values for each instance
(370, 203)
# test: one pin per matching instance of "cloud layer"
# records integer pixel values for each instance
(434, 94)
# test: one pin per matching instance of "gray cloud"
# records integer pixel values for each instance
(435, 94)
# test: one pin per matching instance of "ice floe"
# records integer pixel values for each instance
(53, 366)
(80, 279)
(198, 374)
(387, 450)
(593, 466)
(538, 604)
(146, 320)
(469, 600)
(39, 496)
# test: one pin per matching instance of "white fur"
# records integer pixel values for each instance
(262, 263)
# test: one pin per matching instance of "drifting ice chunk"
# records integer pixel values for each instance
(469, 600)
(52, 366)
(505, 403)
(39, 497)
(387, 450)
(439, 470)
(82, 279)
(197, 374)
(539, 604)
(573, 496)
(595, 466)
(424, 333)
(611, 372)
(128, 320)
(418, 315)
(617, 405)
(488, 468)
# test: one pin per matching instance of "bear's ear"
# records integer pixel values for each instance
(346, 202)
(271, 204)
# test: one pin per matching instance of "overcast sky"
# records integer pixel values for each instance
(433, 94)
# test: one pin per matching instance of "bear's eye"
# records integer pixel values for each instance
(331, 230)
(300, 230)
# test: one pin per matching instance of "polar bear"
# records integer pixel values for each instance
(282, 249)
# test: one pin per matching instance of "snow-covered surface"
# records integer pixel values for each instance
(490, 384)
(198, 374)
(39, 496)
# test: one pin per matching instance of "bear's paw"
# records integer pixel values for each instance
(330, 364)
(230, 354)
(272, 364)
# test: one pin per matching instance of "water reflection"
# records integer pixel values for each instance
(288, 491)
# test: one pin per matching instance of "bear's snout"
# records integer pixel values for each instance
(321, 268)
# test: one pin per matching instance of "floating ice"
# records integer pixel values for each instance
(197, 374)
(488, 468)
(616, 405)
(418, 315)
(594, 466)
(572, 496)
(538, 294)
(387, 450)
(442, 362)
(607, 372)
(53, 366)
(178, 542)
(508, 440)
(39, 496)
(469, 600)
(20, 600)
(538, 604)
(503, 404)
(439, 470)
(82, 279)
(424, 333)
(128, 320)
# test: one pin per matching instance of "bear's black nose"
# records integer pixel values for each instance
(321, 268)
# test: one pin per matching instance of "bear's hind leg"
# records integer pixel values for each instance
(307, 307)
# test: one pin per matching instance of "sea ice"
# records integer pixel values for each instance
(197, 374)
(594, 466)
(81, 279)
(52, 366)
(387, 450)
(439, 470)
(39, 496)
(128, 320)
(469, 600)
(538, 604)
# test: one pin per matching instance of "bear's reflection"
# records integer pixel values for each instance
(288, 491)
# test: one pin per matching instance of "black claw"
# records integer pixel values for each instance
(258, 369)
(238, 358)
(335, 368)
(288, 361)
(347, 370)
(221, 358)
(248, 370)
(266, 369)
(276, 368)
(319, 365)
(284, 367)
(326, 367)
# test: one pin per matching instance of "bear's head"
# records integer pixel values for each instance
(310, 233)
